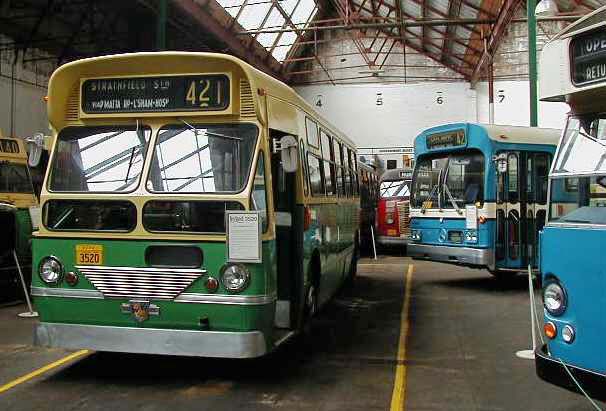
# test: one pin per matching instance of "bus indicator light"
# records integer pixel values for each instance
(482, 219)
(212, 284)
(550, 330)
(71, 278)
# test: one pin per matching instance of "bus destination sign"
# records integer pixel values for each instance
(9, 146)
(155, 94)
(445, 140)
(588, 58)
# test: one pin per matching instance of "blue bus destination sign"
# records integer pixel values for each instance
(588, 58)
(155, 94)
(448, 139)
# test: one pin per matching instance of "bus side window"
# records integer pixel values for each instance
(315, 175)
(312, 133)
(258, 196)
(329, 168)
(512, 183)
(340, 187)
(304, 168)
(542, 173)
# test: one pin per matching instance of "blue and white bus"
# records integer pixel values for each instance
(573, 242)
(479, 195)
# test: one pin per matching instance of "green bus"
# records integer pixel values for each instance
(193, 205)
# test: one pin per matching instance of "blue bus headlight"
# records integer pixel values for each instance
(554, 298)
(415, 235)
(50, 270)
(235, 277)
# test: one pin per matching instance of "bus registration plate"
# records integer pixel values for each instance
(89, 254)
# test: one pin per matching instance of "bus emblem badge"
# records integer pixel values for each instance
(140, 310)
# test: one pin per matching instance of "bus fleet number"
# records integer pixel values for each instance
(89, 258)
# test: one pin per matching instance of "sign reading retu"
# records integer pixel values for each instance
(588, 58)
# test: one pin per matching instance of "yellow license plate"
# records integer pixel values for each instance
(392, 232)
(89, 254)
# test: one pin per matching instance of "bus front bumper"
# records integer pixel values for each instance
(551, 370)
(457, 255)
(152, 340)
(389, 240)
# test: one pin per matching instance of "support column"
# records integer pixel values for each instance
(490, 94)
(161, 25)
(532, 60)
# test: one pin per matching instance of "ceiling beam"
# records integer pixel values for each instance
(207, 21)
(506, 14)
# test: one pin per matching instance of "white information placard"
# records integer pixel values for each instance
(471, 213)
(243, 236)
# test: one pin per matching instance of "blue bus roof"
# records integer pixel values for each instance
(502, 135)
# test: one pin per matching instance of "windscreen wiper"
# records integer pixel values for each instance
(452, 200)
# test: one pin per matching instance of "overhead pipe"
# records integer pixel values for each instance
(404, 23)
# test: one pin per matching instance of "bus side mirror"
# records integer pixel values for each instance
(35, 145)
(289, 153)
(501, 162)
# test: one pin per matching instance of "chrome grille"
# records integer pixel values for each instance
(135, 282)
(404, 217)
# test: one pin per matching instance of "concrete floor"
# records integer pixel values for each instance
(464, 331)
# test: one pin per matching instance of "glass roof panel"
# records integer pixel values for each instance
(231, 6)
(288, 5)
(275, 19)
(280, 53)
(267, 39)
(287, 39)
(261, 14)
(304, 11)
(253, 15)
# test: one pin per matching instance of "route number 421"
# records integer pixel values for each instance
(198, 93)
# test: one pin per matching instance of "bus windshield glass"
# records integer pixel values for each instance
(583, 146)
(449, 180)
(202, 158)
(99, 159)
(399, 188)
(14, 178)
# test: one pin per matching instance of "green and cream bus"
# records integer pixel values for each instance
(18, 211)
(193, 206)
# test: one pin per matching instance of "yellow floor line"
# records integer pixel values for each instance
(42, 370)
(398, 396)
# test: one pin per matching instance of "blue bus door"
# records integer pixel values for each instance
(521, 208)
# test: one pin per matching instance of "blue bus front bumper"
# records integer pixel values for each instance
(551, 370)
(483, 257)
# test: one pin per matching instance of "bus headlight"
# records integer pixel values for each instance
(554, 298)
(50, 270)
(471, 236)
(415, 235)
(235, 277)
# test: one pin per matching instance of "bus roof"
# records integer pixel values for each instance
(396, 174)
(557, 71)
(504, 134)
(134, 64)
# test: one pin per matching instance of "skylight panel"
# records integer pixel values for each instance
(280, 53)
(231, 6)
(304, 11)
(252, 15)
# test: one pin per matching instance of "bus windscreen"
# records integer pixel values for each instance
(99, 159)
(202, 158)
(14, 178)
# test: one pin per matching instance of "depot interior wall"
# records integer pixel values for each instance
(23, 84)
(384, 115)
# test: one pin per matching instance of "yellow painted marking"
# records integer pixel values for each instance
(398, 396)
(42, 370)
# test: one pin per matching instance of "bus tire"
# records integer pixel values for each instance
(312, 293)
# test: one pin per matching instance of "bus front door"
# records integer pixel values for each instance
(289, 244)
(521, 208)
